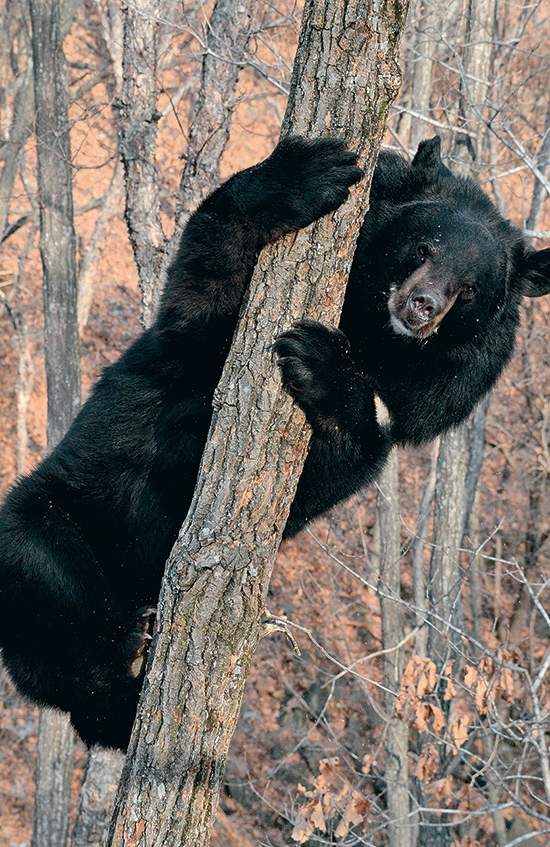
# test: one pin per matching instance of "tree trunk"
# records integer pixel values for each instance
(210, 120)
(213, 594)
(445, 577)
(476, 439)
(543, 161)
(21, 124)
(57, 249)
(393, 631)
(96, 797)
(460, 448)
(425, 48)
(138, 134)
(475, 84)
(418, 551)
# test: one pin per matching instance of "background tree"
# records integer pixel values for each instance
(61, 346)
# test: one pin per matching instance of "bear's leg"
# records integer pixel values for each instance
(348, 447)
(300, 182)
(104, 708)
(106, 715)
(66, 640)
(95, 680)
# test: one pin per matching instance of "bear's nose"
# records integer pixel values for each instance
(423, 304)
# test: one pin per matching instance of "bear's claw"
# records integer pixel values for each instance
(143, 634)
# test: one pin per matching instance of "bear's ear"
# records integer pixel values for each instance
(535, 273)
(428, 159)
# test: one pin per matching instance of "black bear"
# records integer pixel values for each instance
(429, 321)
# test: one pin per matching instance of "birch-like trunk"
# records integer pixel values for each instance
(138, 119)
(453, 498)
(57, 249)
(393, 631)
(213, 594)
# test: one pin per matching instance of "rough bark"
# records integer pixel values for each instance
(454, 498)
(445, 581)
(475, 84)
(461, 448)
(445, 577)
(25, 364)
(393, 631)
(57, 249)
(20, 130)
(21, 124)
(476, 443)
(97, 794)
(210, 121)
(217, 577)
(138, 118)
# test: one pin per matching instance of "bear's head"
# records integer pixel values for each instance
(440, 255)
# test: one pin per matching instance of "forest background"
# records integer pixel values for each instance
(309, 759)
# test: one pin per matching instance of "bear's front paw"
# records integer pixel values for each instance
(316, 366)
(315, 176)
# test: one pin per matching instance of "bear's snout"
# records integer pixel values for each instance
(423, 306)
(419, 305)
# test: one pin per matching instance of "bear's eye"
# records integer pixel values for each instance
(468, 292)
(423, 250)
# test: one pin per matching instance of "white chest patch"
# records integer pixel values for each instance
(382, 412)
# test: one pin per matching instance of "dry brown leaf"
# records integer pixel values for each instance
(438, 719)
(422, 713)
(332, 786)
(317, 817)
(328, 774)
(459, 729)
(450, 689)
(310, 818)
(368, 762)
(480, 696)
(443, 790)
(470, 676)
(427, 678)
(505, 685)
(354, 813)
(486, 666)
(418, 679)
(428, 763)
(302, 828)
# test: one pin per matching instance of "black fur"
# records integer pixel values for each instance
(84, 538)
(428, 384)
